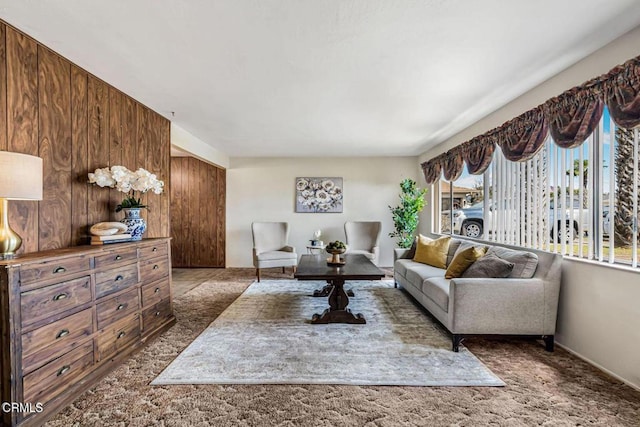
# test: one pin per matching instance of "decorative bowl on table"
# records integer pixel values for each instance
(335, 249)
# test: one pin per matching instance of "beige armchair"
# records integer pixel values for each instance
(363, 238)
(270, 246)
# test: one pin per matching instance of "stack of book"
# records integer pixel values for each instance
(114, 238)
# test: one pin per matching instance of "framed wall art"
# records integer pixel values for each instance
(319, 195)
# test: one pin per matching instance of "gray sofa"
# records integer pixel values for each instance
(516, 305)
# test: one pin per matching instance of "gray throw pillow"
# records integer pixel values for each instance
(466, 245)
(489, 266)
(525, 262)
(454, 244)
(412, 251)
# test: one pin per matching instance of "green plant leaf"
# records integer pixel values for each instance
(406, 214)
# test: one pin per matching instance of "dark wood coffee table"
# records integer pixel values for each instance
(357, 267)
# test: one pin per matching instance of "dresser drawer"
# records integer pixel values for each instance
(44, 302)
(155, 316)
(43, 344)
(154, 270)
(117, 336)
(122, 256)
(154, 292)
(113, 280)
(53, 269)
(54, 377)
(116, 308)
(154, 251)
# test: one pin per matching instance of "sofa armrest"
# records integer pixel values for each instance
(400, 253)
(498, 306)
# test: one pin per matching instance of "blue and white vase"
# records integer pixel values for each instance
(136, 225)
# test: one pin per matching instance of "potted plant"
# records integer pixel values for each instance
(405, 215)
(132, 184)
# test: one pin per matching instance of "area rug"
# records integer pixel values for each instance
(264, 337)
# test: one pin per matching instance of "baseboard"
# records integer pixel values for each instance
(600, 367)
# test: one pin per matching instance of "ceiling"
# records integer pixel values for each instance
(324, 77)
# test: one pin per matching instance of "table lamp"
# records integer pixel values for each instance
(20, 179)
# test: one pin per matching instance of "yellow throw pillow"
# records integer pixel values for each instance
(432, 252)
(463, 260)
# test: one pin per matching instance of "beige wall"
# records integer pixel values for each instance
(599, 317)
(262, 189)
(194, 146)
(599, 314)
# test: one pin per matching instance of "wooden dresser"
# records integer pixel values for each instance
(70, 316)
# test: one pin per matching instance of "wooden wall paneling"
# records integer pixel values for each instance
(116, 103)
(154, 163)
(98, 146)
(176, 194)
(22, 125)
(194, 212)
(197, 220)
(77, 123)
(3, 88)
(211, 201)
(79, 156)
(130, 134)
(143, 151)
(165, 208)
(54, 117)
(187, 231)
(221, 217)
(204, 226)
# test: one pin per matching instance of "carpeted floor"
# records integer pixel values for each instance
(554, 389)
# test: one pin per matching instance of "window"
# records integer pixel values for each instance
(581, 202)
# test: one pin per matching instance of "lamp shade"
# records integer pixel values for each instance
(20, 176)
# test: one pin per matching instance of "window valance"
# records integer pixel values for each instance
(570, 118)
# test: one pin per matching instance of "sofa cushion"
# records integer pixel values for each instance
(417, 273)
(432, 252)
(464, 259)
(525, 263)
(401, 265)
(437, 289)
(489, 266)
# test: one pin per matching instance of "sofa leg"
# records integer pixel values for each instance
(295, 269)
(258, 274)
(395, 284)
(548, 342)
(456, 340)
(282, 270)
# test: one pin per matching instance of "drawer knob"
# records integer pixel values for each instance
(154, 250)
(155, 267)
(121, 306)
(119, 277)
(156, 290)
(59, 270)
(62, 333)
(157, 313)
(121, 334)
(64, 370)
(118, 257)
(60, 296)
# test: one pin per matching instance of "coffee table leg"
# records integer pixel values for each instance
(338, 311)
(326, 290)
